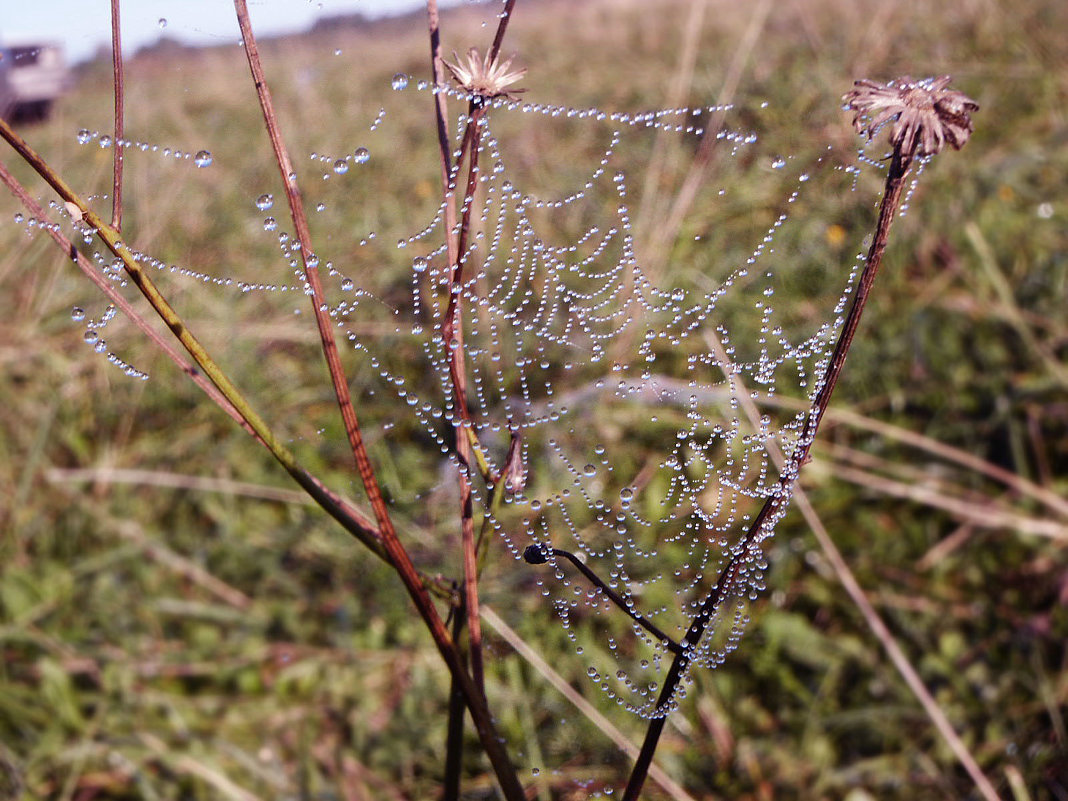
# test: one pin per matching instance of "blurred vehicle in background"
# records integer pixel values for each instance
(32, 76)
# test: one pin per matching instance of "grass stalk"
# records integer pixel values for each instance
(119, 91)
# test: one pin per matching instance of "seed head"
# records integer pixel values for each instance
(483, 77)
(926, 114)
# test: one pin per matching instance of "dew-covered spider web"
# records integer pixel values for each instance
(658, 396)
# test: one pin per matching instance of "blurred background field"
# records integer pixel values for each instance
(175, 622)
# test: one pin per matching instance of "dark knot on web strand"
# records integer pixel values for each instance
(538, 555)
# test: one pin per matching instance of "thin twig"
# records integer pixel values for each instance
(454, 738)
(452, 339)
(535, 556)
(120, 96)
(398, 555)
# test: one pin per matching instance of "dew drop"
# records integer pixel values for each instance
(264, 202)
(400, 81)
(105, 141)
(203, 158)
(778, 163)
(84, 136)
(162, 23)
(341, 166)
(77, 314)
(346, 285)
(270, 224)
(419, 265)
(362, 155)
(90, 337)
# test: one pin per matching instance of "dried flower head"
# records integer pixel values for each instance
(484, 77)
(926, 113)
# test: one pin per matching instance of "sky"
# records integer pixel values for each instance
(83, 25)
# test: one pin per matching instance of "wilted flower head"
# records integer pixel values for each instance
(484, 77)
(927, 114)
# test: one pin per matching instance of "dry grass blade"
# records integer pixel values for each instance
(985, 514)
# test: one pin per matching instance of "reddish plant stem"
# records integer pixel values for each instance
(398, 555)
(452, 342)
(452, 337)
(455, 730)
(502, 27)
(119, 133)
(454, 738)
(900, 164)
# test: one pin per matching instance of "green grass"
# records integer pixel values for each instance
(128, 673)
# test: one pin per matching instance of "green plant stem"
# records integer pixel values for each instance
(760, 528)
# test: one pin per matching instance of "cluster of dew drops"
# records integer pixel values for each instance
(553, 306)
(546, 306)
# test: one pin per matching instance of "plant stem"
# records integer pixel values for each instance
(533, 555)
(119, 133)
(468, 447)
(760, 528)
(398, 555)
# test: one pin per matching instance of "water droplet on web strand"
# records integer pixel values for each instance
(105, 141)
(346, 285)
(362, 155)
(778, 163)
(90, 337)
(77, 314)
(341, 166)
(264, 202)
(419, 264)
(270, 224)
(400, 81)
(162, 23)
(84, 136)
(203, 159)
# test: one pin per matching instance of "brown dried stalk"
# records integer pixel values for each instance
(398, 555)
(927, 115)
(119, 132)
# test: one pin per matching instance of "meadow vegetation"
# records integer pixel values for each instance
(178, 621)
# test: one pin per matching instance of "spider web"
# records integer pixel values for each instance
(651, 393)
(630, 398)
